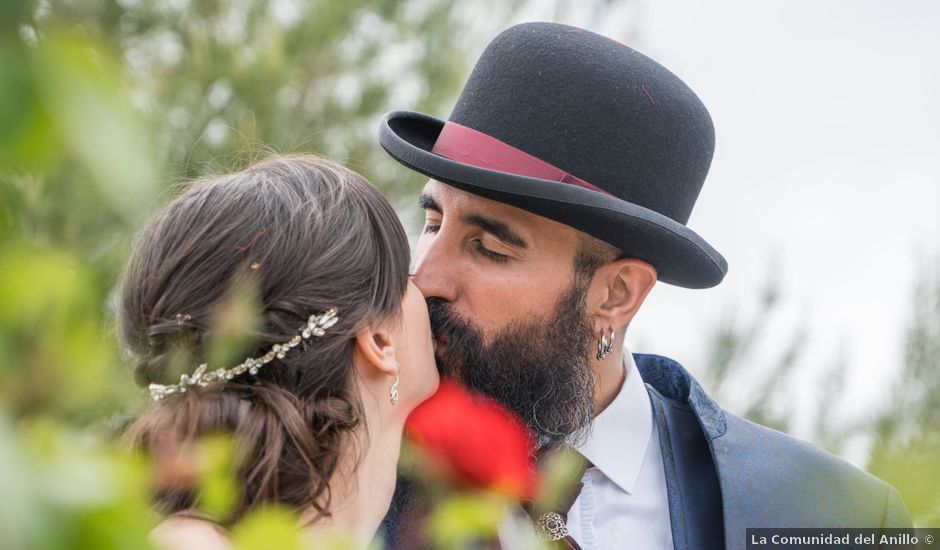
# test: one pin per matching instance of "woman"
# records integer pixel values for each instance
(342, 353)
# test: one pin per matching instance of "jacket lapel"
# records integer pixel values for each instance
(695, 503)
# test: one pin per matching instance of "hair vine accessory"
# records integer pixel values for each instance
(316, 326)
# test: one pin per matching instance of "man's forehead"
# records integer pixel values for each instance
(449, 197)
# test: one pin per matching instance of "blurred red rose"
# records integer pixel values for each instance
(474, 441)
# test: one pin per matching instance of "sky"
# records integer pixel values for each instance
(826, 174)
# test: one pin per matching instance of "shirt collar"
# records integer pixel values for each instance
(621, 434)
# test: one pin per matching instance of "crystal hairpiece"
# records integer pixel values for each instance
(316, 326)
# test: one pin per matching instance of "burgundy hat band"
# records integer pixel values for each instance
(469, 146)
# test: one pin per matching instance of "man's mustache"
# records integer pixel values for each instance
(444, 320)
(458, 340)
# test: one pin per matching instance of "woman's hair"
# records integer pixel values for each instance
(311, 235)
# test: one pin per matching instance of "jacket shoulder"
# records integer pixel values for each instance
(777, 480)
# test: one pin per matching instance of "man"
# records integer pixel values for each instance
(559, 192)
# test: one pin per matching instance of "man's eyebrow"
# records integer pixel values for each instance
(427, 202)
(499, 229)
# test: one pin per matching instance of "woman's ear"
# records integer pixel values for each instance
(374, 345)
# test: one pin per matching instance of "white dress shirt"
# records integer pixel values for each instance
(623, 503)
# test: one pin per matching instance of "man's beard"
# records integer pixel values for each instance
(540, 368)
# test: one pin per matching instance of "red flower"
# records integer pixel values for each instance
(474, 441)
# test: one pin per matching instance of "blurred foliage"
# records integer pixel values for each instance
(235, 323)
(218, 493)
(904, 435)
(560, 471)
(269, 527)
(906, 450)
(65, 489)
(224, 82)
(734, 348)
(106, 103)
(463, 519)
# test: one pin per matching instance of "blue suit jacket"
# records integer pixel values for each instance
(725, 474)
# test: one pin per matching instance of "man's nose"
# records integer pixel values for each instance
(435, 271)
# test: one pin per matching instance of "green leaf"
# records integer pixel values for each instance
(217, 463)
(235, 324)
(560, 472)
(270, 527)
(464, 518)
(81, 86)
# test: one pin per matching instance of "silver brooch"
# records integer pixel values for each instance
(551, 527)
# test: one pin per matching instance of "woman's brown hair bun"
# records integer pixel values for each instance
(314, 235)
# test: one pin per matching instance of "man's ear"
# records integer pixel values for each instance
(619, 289)
(374, 345)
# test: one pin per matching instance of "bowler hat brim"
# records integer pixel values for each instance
(678, 254)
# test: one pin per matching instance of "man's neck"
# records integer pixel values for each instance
(609, 376)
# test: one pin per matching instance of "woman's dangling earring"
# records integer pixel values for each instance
(393, 393)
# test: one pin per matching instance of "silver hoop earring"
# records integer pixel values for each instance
(610, 342)
(393, 393)
(605, 345)
(602, 347)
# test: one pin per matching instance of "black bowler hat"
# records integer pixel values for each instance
(578, 128)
